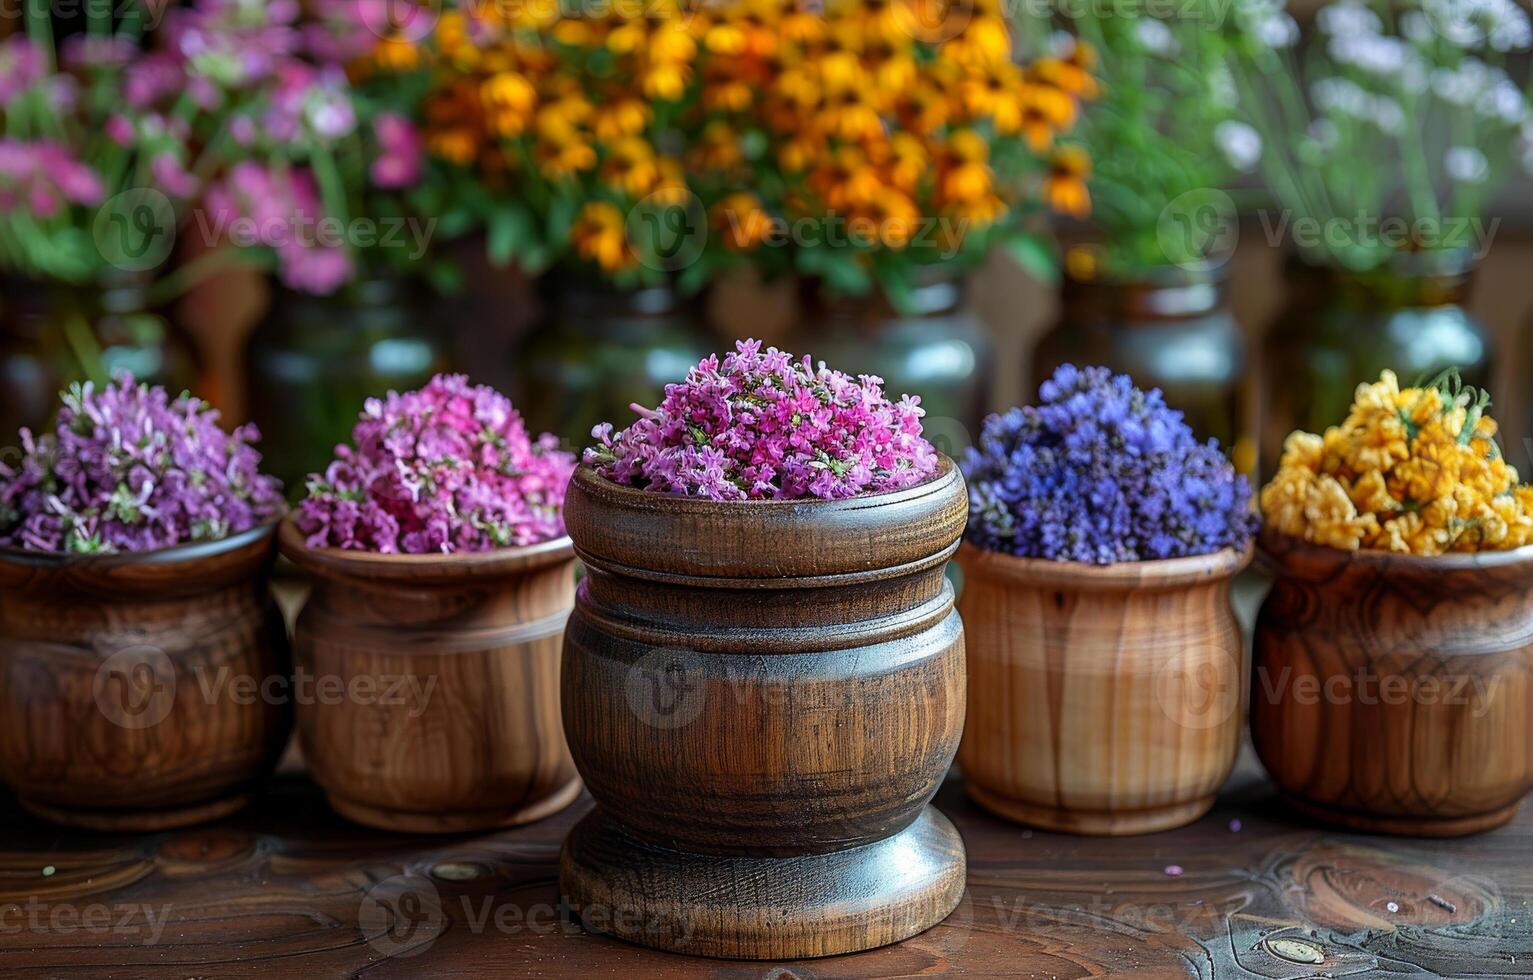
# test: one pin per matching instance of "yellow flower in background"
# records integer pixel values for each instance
(1419, 469)
(631, 167)
(509, 101)
(620, 118)
(600, 235)
(1065, 186)
(741, 220)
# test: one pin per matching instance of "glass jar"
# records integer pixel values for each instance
(53, 334)
(313, 360)
(936, 348)
(1342, 327)
(601, 349)
(1171, 329)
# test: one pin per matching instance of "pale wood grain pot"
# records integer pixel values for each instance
(1103, 699)
(1394, 693)
(763, 697)
(130, 684)
(429, 684)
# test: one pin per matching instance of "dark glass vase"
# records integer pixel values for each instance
(936, 348)
(53, 334)
(1171, 330)
(599, 350)
(313, 360)
(1341, 328)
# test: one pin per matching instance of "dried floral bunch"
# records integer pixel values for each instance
(127, 469)
(1413, 470)
(849, 140)
(1102, 472)
(763, 426)
(448, 468)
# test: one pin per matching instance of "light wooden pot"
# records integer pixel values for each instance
(763, 698)
(432, 703)
(1394, 693)
(129, 684)
(1103, 699)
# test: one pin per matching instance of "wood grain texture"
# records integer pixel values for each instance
(1394, 693)
(443, 676)
(755, 684)
(119, 707)
(288, 888)
(1102, 699)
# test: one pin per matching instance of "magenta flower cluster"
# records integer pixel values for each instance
(127, 469)
(448, 468)
(763, 426)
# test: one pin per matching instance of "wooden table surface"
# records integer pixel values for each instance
(288, 888)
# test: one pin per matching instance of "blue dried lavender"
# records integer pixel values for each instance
(1102, 472)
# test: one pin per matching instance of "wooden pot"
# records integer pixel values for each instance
(1103, 699)
(762, 697)
(432, 681)
(1394, 693)
(131, 685)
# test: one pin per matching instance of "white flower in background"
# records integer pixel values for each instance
(1347, 18)
(1387, 114)
(1503, 101)
(1221, 87)
(1061, 44)
(1463, 85)
(1501, 24)
(1322, 133)
(1375, 54)
(1278, 31)
(1466, 164)
(1342, 96)
(1156, 37)
(1414, 25)
(1241, 144)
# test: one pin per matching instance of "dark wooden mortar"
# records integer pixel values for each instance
(763, 697)
(130, 685)
(1394, 693)
(433, 703)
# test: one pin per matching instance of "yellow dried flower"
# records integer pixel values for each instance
(1413, 470)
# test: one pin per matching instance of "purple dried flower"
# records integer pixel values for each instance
(1102, 472)
(126, 470)
(765, 426)
(447, 468)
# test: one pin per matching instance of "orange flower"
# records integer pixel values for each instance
(600, 235)
(1065, 186)
(742, 222)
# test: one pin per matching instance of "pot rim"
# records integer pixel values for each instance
(1156, 573)
(175, 554)
(658, 535)
(1274, 547)
(423, 569)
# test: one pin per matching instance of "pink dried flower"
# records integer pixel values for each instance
(447, 468)
(765, 426)
(126, 470)
(42, 176)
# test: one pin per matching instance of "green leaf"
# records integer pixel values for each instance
(1035, 256)
(509, 229)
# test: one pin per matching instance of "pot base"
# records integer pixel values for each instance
(763, 908)
(454, 821)
(1404, 826)
(137, 820)
(1092, 823)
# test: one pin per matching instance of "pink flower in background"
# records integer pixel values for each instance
(399, 162)
(171, 176)
(764, 426)
(448, 468)
(86, 51)
(43, 176)
(282, 211)
(309, 100)
(151, 78)
(120, 130)
(21, 66)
